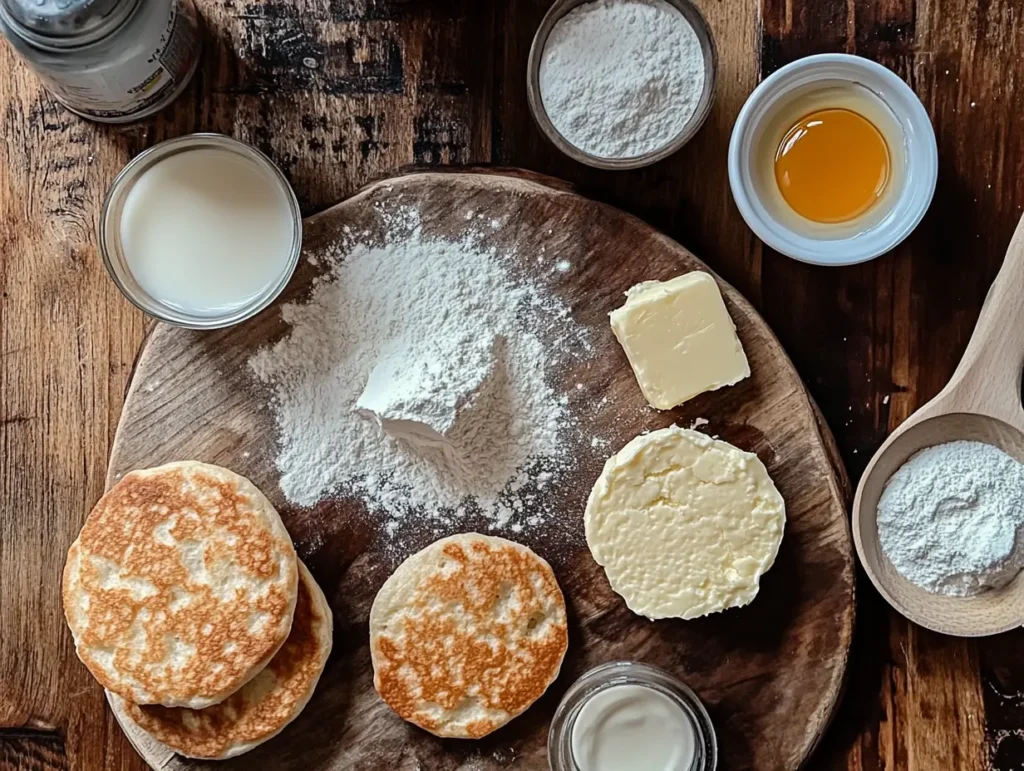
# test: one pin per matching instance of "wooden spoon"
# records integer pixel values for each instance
(982, 402)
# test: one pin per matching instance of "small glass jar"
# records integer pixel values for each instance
(118, 265)
(605, 676)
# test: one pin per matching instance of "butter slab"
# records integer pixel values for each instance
(679, 339)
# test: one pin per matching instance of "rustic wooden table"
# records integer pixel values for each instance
(340, 92)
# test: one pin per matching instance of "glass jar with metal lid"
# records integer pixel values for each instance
(107, 60)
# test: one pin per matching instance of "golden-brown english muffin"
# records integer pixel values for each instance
(263, 706)
(466, 634)
(181, 586)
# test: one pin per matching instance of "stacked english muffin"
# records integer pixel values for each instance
(188, 603)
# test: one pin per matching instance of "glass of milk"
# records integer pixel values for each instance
(202, 231)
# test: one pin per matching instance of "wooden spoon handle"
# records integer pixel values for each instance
(988, 378)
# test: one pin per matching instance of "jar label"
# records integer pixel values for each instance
(138, 83)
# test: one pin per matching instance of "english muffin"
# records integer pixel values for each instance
(466, 634)
(181, 586)
(263, 706)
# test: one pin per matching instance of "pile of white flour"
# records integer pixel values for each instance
(951, 519)
(426, 299)
(621, 78)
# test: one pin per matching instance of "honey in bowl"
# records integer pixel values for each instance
(831, 160)
(832, 165)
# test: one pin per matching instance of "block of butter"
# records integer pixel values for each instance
(679, 339)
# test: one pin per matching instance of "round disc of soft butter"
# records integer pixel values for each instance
(684, 525)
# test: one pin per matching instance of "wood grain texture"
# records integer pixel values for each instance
(878, 340)
(770, 694)
(32, 751)
(393, 82)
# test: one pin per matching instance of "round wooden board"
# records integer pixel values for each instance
(770, 673)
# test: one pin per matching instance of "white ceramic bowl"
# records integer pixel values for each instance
(836, 246)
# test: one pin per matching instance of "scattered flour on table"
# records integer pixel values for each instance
(621, 78)
(951, 519)
(416, 292)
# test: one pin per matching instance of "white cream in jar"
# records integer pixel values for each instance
(635, 727)
(628, 715)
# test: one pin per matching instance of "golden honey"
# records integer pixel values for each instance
(832, 165)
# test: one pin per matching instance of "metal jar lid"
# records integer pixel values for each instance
(65, 23)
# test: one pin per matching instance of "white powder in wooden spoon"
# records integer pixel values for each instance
(951, 519)
(420, 293)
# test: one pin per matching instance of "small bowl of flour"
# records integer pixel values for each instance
(620, 84)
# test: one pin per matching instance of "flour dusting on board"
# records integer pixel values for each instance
(506, 436)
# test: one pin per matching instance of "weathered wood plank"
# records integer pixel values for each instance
(32, 751)
(890, 333)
